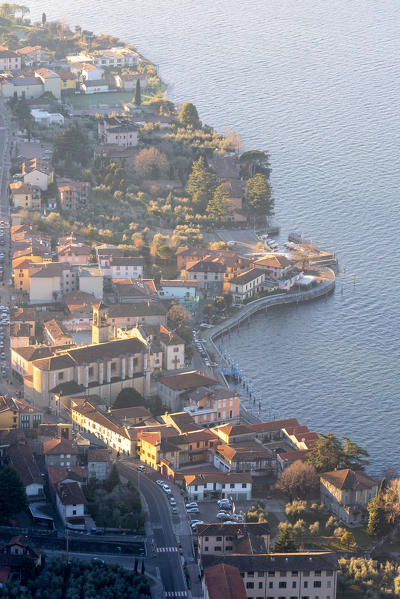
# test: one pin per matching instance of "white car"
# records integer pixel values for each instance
(172, 501)
(193, 510)
(223, 516)
(166, 489)
(192, 504)
(160, 483)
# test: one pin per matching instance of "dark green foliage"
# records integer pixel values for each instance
(377, 523)
(329, 453)
(44, 19)
(202, 184)
(22, 112)
(253, 162)
(114, 505)
(189, 117)
(218, 206)
(12, 494)
(72, 144)
(259, 196)
(129, 398)
(81, 580)
(138, 93)
(113, 479)
(285, 542)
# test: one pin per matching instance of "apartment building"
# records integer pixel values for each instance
(210, 406)
(26, 196)
(18, 413)
(209, 486)
(72, 194)
(247, 538)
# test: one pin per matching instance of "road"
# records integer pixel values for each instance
(166, 547)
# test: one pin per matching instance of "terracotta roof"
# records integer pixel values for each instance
(59, 446)
(244, 451)
(22, 459)
(98, 455)
(274, 261)
(137, 309)
(349, 480)
(277, 562)
(34, 352)
(233, 429)
(275, 425)
(57, 474)
(187, 380)
(46, 74)
(139, 412)
(207, 266)
(178, 283)
(70, 494)
(224, 582)
(247, 277)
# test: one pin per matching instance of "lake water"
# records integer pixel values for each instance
(317, 84)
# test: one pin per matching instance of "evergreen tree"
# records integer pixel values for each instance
(202, 183)
(12, 496)
(113, 478)
(253, 162)
(377, 523)
(138, 93)
(72, 142)
(259, 195)
(44, 19)
(219, 203)
(285, 542)
(329, 453)
(189, 117)
(129, 398)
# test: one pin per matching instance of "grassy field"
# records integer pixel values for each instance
(96, 100)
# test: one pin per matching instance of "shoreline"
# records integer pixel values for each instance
(324, 288)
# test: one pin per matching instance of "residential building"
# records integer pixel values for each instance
(74, 253)
(90, 279)
(275, 265)
(210, 406)
(182, 291)
(209, 275)
(103, 369)
(123, 135)
(128, 81)
(38, 173)
(234, 433)
(98, 463)
(49, 281)
(20, 335)
(162, 340)
(134, 290)
(131, 416)
(187, 257)
(22, 459)
(92, 86)
(209, 486)
(27, 87)
(23, 357)
(25, 196)
(72, 194)
(32, 55)
(55, 334)
(87, 417)
(299, 437)
(9, 61)
(69, 82)
(63, 474)
(61, 452)
(18, 559)
(121, 267)
(18, 413)
(247, 538)
(51, 81)
(70, 503)
(346, 493)
(247, 456)
(272, 431)
(43, 117)
(172, 387)
(89, 72)
(123, 316)
(181, 421)
(247, 284)
(223, 582)
(278, 575)
(115, 57)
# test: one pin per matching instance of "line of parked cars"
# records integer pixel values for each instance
(200, 348)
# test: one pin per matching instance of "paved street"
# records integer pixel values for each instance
(165, 546)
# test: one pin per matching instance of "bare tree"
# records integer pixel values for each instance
(299, 480)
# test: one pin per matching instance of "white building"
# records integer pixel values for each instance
(215, 485)
(123, 267)
(70, 502)
(47, 118)
(116, 57)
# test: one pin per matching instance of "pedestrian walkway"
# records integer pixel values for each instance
(166, 549)
(175, 594)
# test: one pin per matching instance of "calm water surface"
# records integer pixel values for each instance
(317, 84)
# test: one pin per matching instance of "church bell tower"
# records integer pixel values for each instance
(100, 326)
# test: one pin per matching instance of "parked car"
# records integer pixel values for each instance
(174, 511)
(223, 516)
(166, 489)
(160, 483)
(192, 504)
(172, 501)
(193, 510)
(141, 469)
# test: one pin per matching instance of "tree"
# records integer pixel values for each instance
(177, 315)
(189, 117)
(138, 93)
(253, 162)
(377, 523)
(347, 540)
(329, 453)
(113, 479)
(13, 495)
(219, 203)
(299, 480)
(129, 398)
(285, 542)
(72, 143)
(202, 184)
(259, 196)
(314, 528)
(44, 19)
(151, 163)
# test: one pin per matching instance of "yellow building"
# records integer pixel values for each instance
(68, 81)
(21, 268)
(17, 413)
(25, 195)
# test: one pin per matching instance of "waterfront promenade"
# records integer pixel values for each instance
(326, 285)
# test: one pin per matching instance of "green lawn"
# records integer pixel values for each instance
(95, 100)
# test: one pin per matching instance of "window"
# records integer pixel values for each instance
(218, 539)
(306, 573)
(229, 548)
(60, 376)
(260, 585)
(250, 574)
(306, 584)
(271, 574)
(176, 349)
(317, 584)
(244, 485)
(205, 548)
(283, 573)
(295, 573)
(317, 572)
(218, 548)
(249, 585)
(270, 585)
(294, 584)
(282, 585)
(74, 512)
(206, 538)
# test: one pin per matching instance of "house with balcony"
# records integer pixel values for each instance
(246, 456)
(211, 406)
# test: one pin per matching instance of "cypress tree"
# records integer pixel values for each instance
(285, 542)
(138, 93)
